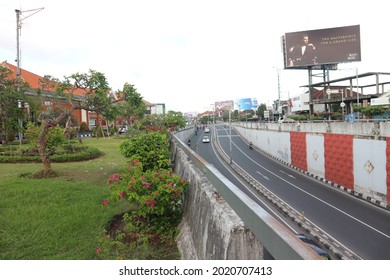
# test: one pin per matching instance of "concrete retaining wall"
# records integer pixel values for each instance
(210, 229)
(358, 166)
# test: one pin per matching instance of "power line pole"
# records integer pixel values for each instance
(19, 20)
(278, 72)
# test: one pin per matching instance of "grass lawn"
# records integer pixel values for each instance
(57, 218)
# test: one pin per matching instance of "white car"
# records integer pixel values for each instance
(206, 130)
(206, 139)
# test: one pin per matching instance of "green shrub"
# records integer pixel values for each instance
(113, 130)
(151, 148)
(54, 137)
(83, 154)
(7, 150)
(11, 135)
(84, 126)
(19, 159)
(64, 153)
(97, 131)
(157, 194)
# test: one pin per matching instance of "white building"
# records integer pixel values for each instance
(384, 99)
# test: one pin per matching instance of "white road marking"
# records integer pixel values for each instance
(265, 177)
(289, 175)
(317, 198)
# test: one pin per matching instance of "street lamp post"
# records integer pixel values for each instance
(213, 108)
(357, 90)
(20, 122)
(356, 72)
(230, 133)
(279, 109)
(342, 104)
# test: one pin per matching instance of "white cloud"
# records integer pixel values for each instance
(187, 54)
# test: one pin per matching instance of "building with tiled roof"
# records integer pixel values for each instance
(92, 119)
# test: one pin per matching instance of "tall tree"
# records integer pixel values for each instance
(170, 121)
(11, 92)
(132, 107)
(174, 120)
(260, 110)
(89, 91)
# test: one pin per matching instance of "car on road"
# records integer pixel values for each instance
(314, 246)
(206, 130)
(206, 139)
(123, 129)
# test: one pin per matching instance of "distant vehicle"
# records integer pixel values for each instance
(123, 129)
(207, 130)
(314, 246)
(206, 139)
(286, 120)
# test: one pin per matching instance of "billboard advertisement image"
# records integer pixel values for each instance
(246, 104)
(322, 46)
(224, 105)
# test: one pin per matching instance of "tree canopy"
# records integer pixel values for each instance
(132, 107)
(11, 92)
(89, 91)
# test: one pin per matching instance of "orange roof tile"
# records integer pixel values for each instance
(31, 78)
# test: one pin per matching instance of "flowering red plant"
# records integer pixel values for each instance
(155, 192)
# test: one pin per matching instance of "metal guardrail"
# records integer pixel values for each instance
(279, 241)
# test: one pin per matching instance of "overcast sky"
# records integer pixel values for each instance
(186, 53)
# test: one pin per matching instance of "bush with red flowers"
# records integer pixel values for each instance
(153, 192)
(156, 193)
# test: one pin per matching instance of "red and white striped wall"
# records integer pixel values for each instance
(360, 166)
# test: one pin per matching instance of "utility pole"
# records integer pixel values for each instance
(19, 20)
(279, 106)
(230, 133)
(357, 91)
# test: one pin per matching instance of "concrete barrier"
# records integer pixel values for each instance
(220, 222)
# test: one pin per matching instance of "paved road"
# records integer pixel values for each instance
(208, 152)
(361, 227)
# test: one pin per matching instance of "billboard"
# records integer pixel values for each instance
(321, 46)
(299, 103)
(224, 105)
(246, 104)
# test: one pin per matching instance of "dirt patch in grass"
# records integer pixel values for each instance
(148, 246)
(45, 174)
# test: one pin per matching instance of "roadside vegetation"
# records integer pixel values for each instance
(153, 195)
(63, 197)
(60, 217)
(124, 203)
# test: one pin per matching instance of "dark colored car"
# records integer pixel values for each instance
(123, 129)
(314, 246)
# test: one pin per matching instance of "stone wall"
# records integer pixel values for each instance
(210, 229)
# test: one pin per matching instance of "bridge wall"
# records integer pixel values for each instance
(210, 229)
(220, 222)
(360, 166)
